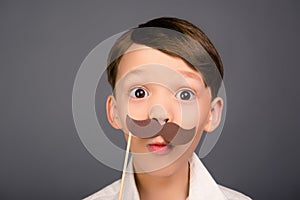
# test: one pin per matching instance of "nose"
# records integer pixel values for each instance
(158, 113)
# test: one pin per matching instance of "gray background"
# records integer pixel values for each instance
(43, 43)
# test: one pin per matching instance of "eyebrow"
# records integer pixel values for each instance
(134, 72)
(195, 76)
(185, 73)
(192, 75)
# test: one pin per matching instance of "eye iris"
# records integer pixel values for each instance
(140, 93)
(185, 95)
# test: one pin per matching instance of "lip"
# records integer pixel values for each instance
(160, 148)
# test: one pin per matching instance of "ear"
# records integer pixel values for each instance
(111, 112)
(215, 115)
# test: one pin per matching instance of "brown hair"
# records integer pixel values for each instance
(176, 37)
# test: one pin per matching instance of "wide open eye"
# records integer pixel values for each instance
(138, 92)
(185, 95)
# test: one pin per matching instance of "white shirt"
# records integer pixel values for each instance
(202, 186)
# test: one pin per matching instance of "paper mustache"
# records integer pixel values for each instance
(170, 131)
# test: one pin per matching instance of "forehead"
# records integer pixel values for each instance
(138, 55)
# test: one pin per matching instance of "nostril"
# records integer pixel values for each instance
(161, 121)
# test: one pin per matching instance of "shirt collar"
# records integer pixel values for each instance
(202, 185)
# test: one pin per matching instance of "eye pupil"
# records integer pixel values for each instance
(140, 93)
(185, 95)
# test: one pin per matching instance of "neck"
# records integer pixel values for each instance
(160, 187)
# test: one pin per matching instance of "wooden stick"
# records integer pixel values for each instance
(124, 167)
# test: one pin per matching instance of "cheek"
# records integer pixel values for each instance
(191, 146)
(137, 145)
(137, 109)
(133, 108)
(203, 119)
(190, 115)
(194, 114)
(204, 105)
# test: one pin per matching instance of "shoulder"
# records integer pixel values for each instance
(110, 192)
(232, 194)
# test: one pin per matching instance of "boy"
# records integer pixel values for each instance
(165, 75)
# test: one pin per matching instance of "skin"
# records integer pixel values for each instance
(170, 181)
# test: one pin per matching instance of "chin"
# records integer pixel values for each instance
(160, 166)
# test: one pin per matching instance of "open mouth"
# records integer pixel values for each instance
(160, 148)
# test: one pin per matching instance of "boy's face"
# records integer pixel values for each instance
(153, 85)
